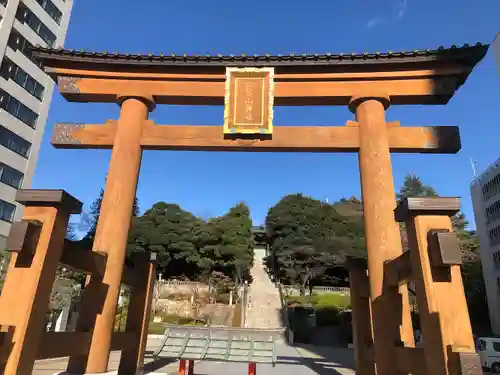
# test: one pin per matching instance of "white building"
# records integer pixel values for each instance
(485, 190)
(25, 93)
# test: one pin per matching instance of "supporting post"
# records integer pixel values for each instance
(191, 367)
(111, 235)
(252, 368)
(361, 316)
(31, 274)
(139, 311)
(435, 258)
(182, 367)
(390, 306)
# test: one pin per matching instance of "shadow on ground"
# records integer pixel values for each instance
(321, 360)
(156, 363)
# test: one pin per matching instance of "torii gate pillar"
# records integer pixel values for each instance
(381, 230)
(112, 229)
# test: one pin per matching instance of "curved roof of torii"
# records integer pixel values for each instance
(467, 55)
(428, 76)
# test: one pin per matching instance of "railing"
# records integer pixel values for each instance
(182, 282)
(293, 290)
(284, 314)
(244, 301)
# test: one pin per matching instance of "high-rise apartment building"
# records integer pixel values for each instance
(25, 93)
(485, 190)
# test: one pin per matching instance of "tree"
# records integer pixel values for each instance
(95, 211)
(310, 240)
(172, 233)
(469, 245)
(226, 244)
(192, 248)
(414, 187)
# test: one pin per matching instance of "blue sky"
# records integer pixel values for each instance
(207, 184)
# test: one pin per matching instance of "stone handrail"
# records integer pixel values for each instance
(284, 313)
(291, 289)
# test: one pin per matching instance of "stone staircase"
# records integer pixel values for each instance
(264, 301)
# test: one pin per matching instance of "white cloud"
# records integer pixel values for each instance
(396, 12)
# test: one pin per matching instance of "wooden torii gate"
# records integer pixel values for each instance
(249, 87)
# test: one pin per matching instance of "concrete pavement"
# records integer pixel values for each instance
(292, 360)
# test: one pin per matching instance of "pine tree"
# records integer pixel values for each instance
(414, 187)
(135, 209)
(469, 244)
(95, 211)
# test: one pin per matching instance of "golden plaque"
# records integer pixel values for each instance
(248, 104)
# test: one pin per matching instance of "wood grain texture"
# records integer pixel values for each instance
(139, 311)
(410, 360)
(390, 306)
(362, 320)
(407, 90)
(442, 139)
(26, 292)
(114, 222)
(398, 270)
(415, 206)
(444, 316)
(23, 237)
(63, 344)
(45, 197)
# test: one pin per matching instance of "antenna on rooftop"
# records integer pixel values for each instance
(473, 165)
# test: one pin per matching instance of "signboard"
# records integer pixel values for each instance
(248, 105)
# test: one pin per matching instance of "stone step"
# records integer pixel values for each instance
(264, 306)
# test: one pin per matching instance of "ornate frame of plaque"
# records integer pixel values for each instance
(249, 100)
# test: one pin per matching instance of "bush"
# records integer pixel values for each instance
(327, 316)
(327, 306)
(340, 301)
(182, 320)
(222, 298)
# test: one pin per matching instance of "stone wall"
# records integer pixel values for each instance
(184, 287)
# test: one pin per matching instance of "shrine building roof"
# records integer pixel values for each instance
(466, 55)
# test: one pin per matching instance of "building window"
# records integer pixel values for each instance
(25, 15)
(11, 176)
(495, 236)
(18, 42)
(7, 211)
(51, 10)
(17, 109)
(496, 259)
(9, 70)
(14, 142)
(491, 188)
(493, 212)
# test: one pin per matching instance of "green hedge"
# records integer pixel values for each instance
(340, 301)
(327, 306)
